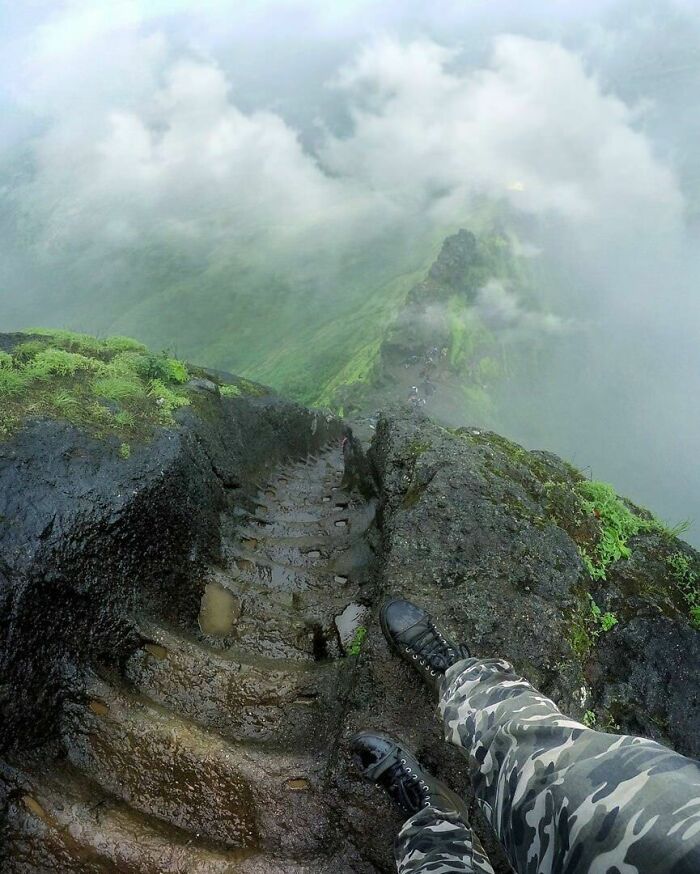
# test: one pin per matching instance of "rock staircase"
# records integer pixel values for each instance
(210, 750)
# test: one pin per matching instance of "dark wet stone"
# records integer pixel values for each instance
(204, 385)
(87, 537)
(103, 565)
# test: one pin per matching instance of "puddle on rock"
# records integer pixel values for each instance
(33, 806)
(99, 708)
(298, 784)
(157, 651)
(219, 610)
(348, 622)
(306, 699)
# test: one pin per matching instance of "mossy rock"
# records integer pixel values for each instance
(112, 387)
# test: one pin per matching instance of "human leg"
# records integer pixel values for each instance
(435, 842)
(437, 837)
(561, 797)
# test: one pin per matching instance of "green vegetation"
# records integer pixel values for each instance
(230, 391)
(617, 525)
(588, 622)
(468, 336)
(415, 448)
(687, 579)
(600, 523)
(112, 386)
(606, 723)
(589, 719)
(602, 526)
(605, 621)
(306, 335)
(357, 641)
(672, 531)
(580, 639)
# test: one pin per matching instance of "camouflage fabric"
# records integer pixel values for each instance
(561, 797)
(439, 842)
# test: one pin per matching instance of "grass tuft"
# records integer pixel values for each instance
(119, 388)
(358, 639)
(687, 578)
(617, 525)
(230, 391)
(109, 386)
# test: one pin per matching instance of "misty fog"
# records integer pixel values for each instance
(164, 167)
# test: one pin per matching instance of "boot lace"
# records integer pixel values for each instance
(406, 787)
(432, 651)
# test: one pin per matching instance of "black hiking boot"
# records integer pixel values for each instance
(385, 761)
(413, 635)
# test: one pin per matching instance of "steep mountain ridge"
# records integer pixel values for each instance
(189, 632)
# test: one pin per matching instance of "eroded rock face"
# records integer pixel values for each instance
(211, 733)
(87, 536)
(489, 536)
(471, 529)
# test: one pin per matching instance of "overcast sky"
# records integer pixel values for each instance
(283, 125)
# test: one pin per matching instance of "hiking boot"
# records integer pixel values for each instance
(385, 761)
(413, 635)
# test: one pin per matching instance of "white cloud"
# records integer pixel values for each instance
(162, 147)
(186, 162)
(532, 128)
(503, 312)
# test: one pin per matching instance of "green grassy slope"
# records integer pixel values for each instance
(302, 337)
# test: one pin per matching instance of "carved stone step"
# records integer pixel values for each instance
(171, 769)
(281, 702)
(59, 822)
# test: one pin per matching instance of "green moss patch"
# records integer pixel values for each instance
(113, 386)
(244, 388)
(613, 523)
(600, 523)
(587, 622)
(357, 641)
(686, 576)
(616, 525)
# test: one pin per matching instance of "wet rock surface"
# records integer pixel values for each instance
(483, 529)
(212, 607)
(213, 749)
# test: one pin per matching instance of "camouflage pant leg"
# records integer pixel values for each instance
(561, 797)
(436, 842)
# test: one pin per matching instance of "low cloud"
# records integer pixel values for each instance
(533, 129)
(504, 313)
(141, 138)
(175, 157)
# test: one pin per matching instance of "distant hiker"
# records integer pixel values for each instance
(561, 797)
